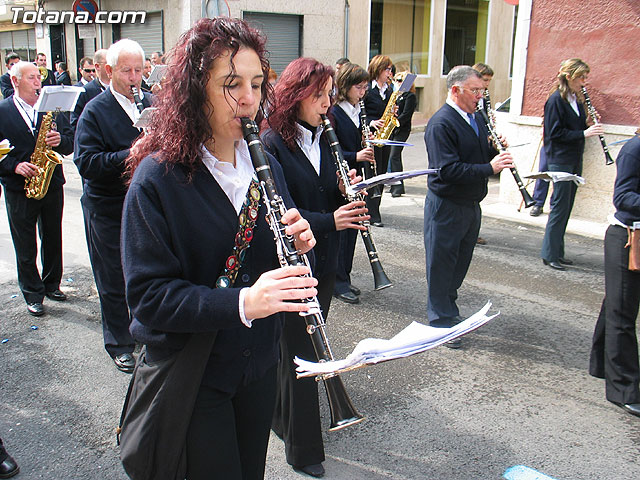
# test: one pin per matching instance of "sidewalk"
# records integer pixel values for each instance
(416, 157)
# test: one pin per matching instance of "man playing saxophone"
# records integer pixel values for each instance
(20, 123)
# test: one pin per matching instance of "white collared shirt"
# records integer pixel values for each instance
(352, 111)
(27, 112)
(381, 90)
(462, 113)
(573, 101)
(83, 81)
(311, 149)
(127, 105)
(234, 181)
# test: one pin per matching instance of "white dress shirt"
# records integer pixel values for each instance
(462, 113)
(234, 181)
(27, 112)
(310, 147)
(127, 105)
(573, 101)
(352, 111)
(381, 90)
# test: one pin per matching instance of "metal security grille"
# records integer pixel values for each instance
(150, 34)
(284, 36)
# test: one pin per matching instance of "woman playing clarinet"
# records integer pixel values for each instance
(304, 93)
(352, 85)
(194, 264)
(565, 130)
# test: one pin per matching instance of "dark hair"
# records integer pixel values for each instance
(342, 61)
(180, 125)
(84, 60)
(62, 65)
(11, 56)
(348, 76)
(483, 69)
(302, 78)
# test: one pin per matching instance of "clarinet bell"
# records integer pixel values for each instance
(343, 413)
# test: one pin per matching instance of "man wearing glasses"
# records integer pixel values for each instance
(86, 72)
(96, 86)
(458, 144)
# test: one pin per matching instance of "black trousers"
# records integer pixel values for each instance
(348, 239)
(614, 353)
(296, 418)
(103, 240)
(450, 234)
(229, 432)
(24, 215)
(375, 194)
(395, 159)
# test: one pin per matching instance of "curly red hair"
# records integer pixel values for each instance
(302, 78)
(180, 125)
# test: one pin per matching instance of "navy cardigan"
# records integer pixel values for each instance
(563, 131)
(626, 192)
(91, 90)
(316, 197)
(349, 136)
(462, 156)
(176, 236)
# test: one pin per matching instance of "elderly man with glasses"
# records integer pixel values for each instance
(458, 144)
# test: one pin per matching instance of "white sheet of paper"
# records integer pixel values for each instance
(157, 74)
(58, 97)
(388, 179)
(558, 177)
(145, 117)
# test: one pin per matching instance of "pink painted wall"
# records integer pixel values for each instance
(603, 33)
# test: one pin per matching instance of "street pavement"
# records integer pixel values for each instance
(516, 393)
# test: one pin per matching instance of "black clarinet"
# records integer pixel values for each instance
(528, 200)
(380, 279)
(137, 98)
(343, 413)
(594, 116)
(368, 168)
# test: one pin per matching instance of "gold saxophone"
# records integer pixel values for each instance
(45, 159)
(389, 118)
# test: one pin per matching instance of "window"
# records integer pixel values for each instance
(401, 30)
(513, 39)
(465, 37)
(284, 36)
(22, 42)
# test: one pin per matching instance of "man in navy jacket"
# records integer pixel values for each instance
(20, 124)
(5, 79)
(93, 88)
(458, 145)
(104, 134)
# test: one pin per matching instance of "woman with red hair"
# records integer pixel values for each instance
(185, 228)
(303, 93)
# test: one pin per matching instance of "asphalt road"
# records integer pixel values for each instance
(518, 392)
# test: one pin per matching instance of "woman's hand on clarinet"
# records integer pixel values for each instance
(596, 129)
(350, 216)
(353, 179)
(501, 161)
(365, 155)
(300, 229)
(274, 291)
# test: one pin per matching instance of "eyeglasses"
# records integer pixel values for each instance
(89, 70)
(474, 91)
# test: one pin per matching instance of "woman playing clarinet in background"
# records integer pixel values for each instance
(303, 93)
(375, 103)
(565, 130)
(191, 196)
(407, 103)
(352, 83)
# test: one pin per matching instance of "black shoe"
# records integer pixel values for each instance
(125, 362)
(355, 290)
(535, 211)
(396, 194)
(347, 297)
(454, 344)
(56, 295)
(35, 308)
(554, 265)
(9, 467)
(565, 261)
(377, 224)
(632, 408)
(315, 470)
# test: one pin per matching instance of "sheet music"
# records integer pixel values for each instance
(558, 177)
(391, 178)
(5, 148)
(145, 117)
(407, 82)
(58, 97)
(157, 74)
(415, 338)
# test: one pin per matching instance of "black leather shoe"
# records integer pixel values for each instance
(355, 290)
(56, 295)
(9, 467)
(454, 344)
(554, 265)
(35, 308)
(316, 470)
(565, 261)
(536, 210)
(632, 408)
(396, 194)
(125, 362)
(347, 297)
(377, 224)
